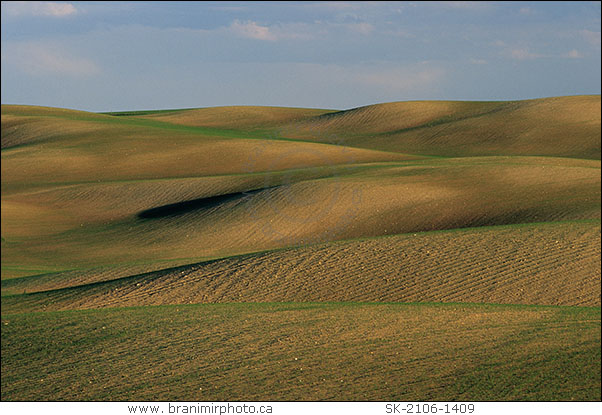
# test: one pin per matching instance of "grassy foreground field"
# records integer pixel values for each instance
(400, 251)
(304, 351)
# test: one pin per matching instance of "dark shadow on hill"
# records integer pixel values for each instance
(180, 208)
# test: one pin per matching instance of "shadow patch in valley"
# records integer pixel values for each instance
(180, 208)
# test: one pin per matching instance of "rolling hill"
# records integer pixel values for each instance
(471, 220)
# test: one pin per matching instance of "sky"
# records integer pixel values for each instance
(113, 56)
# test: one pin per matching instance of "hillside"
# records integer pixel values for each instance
(559, 126)
(552, 264)
(456, 241)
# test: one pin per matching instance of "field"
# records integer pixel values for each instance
(403, 251)
(304, 351)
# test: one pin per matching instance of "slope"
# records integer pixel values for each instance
(560, 126)
(367, 201)
(235, 117)
(546, 264)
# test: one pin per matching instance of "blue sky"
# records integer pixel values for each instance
(109, 56)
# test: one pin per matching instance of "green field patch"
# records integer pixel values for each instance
(334, 351)
(143, 112)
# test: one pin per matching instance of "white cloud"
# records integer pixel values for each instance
(36, 58)
(251, 30)
(38, 8)
(525, 10)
